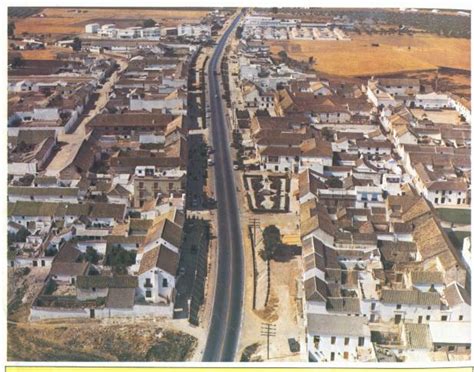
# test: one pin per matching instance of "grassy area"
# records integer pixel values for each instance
(394, 53)
(92, 341)
(456, 216)
(457, 237)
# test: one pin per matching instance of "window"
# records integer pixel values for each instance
(372, 306)
(444, 318)
(428, 317)
(333, 340)
(461, 317)
(451, 348)
(361, 341)
(148, 294)
(346, 341)
(316, 340)
(346, 355)
(148, 282)
(399, 307)
(333, 355)
(165, 283)
(93, 289)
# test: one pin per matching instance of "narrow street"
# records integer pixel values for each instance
(72, 141)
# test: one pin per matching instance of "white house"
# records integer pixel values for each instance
(410, 305)
(92, 28)
(157, 274)
(339, 338)
(194, 30)
(433, 100)
(459, 302)
(452, 337)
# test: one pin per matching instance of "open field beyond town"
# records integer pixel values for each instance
(359, 57)
(69, 20)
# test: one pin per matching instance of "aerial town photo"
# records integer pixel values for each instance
(235, 184)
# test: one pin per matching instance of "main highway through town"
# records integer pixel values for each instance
(224, 330)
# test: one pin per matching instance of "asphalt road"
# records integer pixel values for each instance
(224, 331)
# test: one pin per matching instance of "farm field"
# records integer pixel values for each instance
(72, 21)
(358, 56)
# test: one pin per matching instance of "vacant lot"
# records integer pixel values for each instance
(393, 53)
(441, 116)
(72, 21)
(98, 341)
(44, 54)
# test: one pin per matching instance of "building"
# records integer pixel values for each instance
(339, 338)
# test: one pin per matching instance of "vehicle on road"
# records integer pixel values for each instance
(211, 150)
(210, 162)
(236, 167)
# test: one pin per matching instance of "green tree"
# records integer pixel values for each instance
(18, 61)
(11, 29)
(51, 252)
(334, 182)
(119, 259)
(271, 241)
(91, 255)
(76, 44)
(19, 236)
(283, 55)
(149, 23)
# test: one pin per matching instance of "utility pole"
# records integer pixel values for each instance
(268, 330)
(254, 222)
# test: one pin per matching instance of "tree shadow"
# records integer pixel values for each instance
(285, 253)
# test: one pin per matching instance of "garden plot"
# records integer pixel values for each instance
(267, 192)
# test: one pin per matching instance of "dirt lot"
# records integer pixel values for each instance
(98, 341)
(282, 310)
(442, 116)
(44, 54)
(359, 57)
(70, 21)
